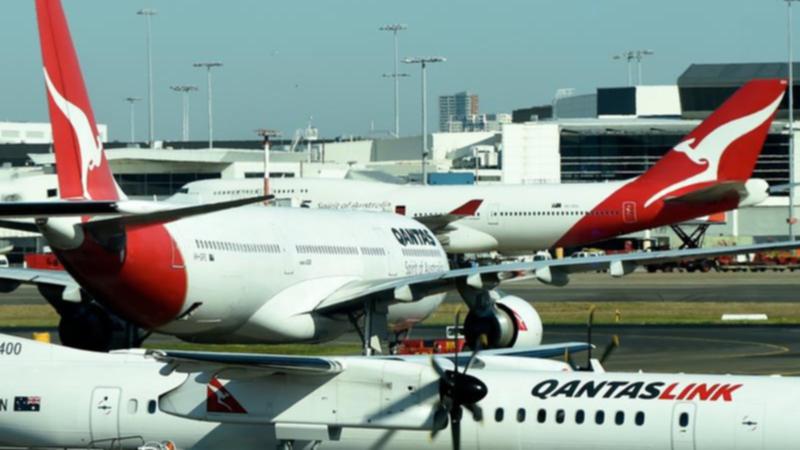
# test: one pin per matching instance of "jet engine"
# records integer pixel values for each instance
(511, 322)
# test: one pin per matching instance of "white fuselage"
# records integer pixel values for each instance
(298, 258)
(511, 219)
(256, 273)
(118, 400)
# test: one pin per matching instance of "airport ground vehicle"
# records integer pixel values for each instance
(53, 396)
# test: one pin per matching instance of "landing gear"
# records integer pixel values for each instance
(86, 327)
(374, 329)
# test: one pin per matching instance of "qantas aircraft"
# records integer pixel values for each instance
(219, 272)
(53, 396)
(707, 172)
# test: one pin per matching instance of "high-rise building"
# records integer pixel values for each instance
(456, 107)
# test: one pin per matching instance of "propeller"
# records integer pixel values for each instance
(457, 390)
(609, 349)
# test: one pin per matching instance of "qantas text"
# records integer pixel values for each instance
(635, 390)
(414, 236)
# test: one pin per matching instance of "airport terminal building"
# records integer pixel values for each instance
(613, 134)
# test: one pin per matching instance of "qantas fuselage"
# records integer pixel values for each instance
(511, 218)
(252, 274)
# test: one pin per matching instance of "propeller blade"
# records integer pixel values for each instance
(571, 362)
(477, 412)
(440, 418)
(455, 426)
(589, 324)
(455, 338)
(478, 345)
(437, 366)
(610, 348)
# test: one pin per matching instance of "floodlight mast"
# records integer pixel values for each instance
(423, 62)
(630, 56)
(184, 90)
(791, 220)
(131, 101)
(148, 14)
(395, 29)
(208, 66)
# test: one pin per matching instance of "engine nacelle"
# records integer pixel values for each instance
(513, 322)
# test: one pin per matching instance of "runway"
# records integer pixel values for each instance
(750, 349)
(754, 349)
(600, 287)
(658, 287)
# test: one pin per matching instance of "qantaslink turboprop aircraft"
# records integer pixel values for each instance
(57, 397)
(217, 273)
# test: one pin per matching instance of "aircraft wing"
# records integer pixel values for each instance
(305, 365)
(321, 365)
(437, 222)
(37, 276)
(352, 296)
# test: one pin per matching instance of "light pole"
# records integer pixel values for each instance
(627, 56)
(131, 101)
(208, 66)
(635, 55)
(395, 28)
(423, 62)
(791, 220)
(148, 14)
(639, 55)
(184, 91)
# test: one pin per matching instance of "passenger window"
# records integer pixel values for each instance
(683, 420)
(560, 416)
(152, 406)
(498, 415)
(599, 417)
(133, 406)
(521, 415)
(619, 418)
(579, 416)
(541, 416)
(639, 418)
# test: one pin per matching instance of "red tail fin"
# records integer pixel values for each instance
(724, 147)
(81, 164)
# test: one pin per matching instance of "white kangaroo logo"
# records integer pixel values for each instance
(90, 146)
(710, 150)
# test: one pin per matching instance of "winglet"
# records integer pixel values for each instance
(467, 209)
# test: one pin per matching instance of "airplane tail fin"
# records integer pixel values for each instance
(83, 171)
(724, 147)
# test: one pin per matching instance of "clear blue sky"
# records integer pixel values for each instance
(286, 61)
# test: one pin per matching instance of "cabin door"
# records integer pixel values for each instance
(683, 419)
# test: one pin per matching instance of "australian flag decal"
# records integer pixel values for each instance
(32, 404)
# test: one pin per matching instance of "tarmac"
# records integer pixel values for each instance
(741, 349)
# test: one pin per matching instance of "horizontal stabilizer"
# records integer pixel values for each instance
(171, 215)
(19, 226)
(57, 208)
(711, 194)
(439, 221)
